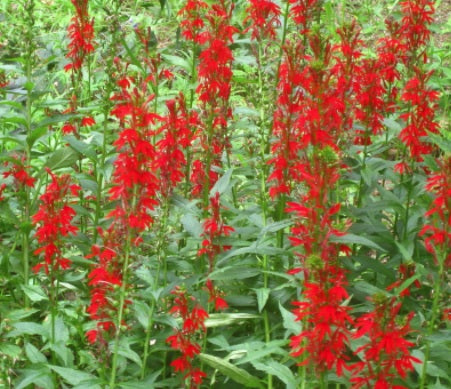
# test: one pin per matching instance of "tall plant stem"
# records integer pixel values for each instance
(264, 140)
(286, 14)
(190, 105)
(161, 258)
(29, 9)
(121, 308)
(434, 316)
(100, 163)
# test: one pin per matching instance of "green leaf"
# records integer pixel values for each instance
(72, 376)
(19, 314)
(369, 289)
(61, 158)
(289, 321)
(440, 141)
(222, 184)
(276, 226)
(27, 328)
(177, 61)
(35, 135)
(191, 225)
(37, 377)
(11, 350)
(234, 273)
(229, 370)
(282, 372)
(64, 353)
(16, 139)
(91, 384)
(356, 239)
(406, 250)
(225, 319)
(34, 292)
(259, 350)
(262, 297)
(81, 147)
(142, 312)
(405, 284)
(34, 355)
(147, 383)
(127, 352)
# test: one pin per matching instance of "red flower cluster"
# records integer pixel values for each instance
(192, 23)
(2, 188)
(386, 355)
(438, 231)
(105, 279)
(215, 75)
(3, 81)
(135, 183)
(19, 172)
(134, 189)
(185, 339)
(54, 218)
(214, 228)
(310, 118)
(216, 296)
(406, 270)
(302, 12)
(419, 116)
(286, 147)
(177, 133)
(264, 17)
(414, 31)
(324, 339)
(371, 104)
(81, 34)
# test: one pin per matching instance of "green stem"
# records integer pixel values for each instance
(433, 319)
(263, 195)
(406, 214)
(190, 106)
(29, 8)
(121, 308)
(100, 166)
(323, 381)
(147, 341)
(365, 157)
(161, 258)
(303, 373)
(207, 183)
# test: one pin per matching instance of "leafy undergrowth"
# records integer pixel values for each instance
(225, 194)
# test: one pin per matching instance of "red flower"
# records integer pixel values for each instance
(2, 188)
(20, 173)
(263, 16)
(417, 15)
(323, 342)
(215, 295)
(68, 128)
(87, 121)
(81, 34)
(420, 115)
(185, 339)
(437, 231)
(192, 22)
(177, 134)
(386, 355)
(54, 218)
(302, 12)
(214, 229)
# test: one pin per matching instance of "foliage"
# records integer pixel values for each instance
(225, 194)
